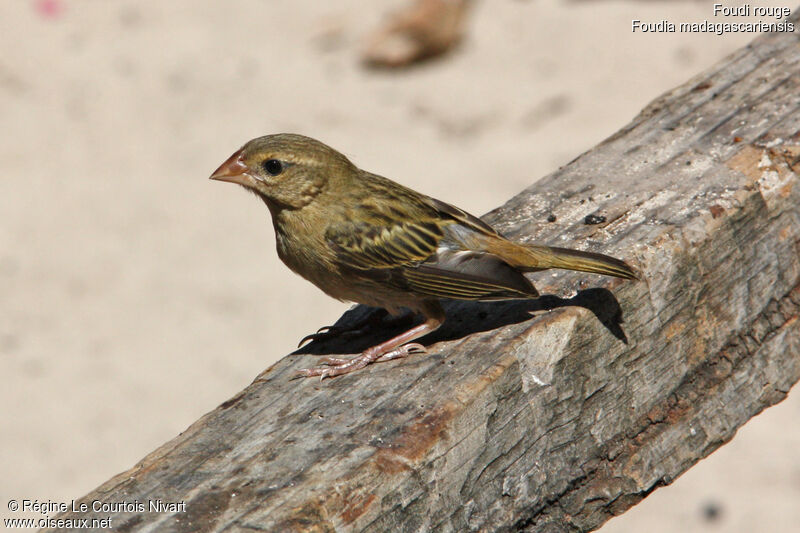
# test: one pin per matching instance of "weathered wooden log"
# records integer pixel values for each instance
(547, 415)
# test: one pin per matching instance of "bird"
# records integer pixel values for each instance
(364, 238)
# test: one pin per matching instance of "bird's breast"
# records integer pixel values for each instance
(306, 253)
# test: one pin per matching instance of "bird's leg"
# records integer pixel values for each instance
(395, 348)
(399, 353)
(331, 332)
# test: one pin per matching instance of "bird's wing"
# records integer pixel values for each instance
(383, 244)
(469, 275)
(462, 217)
(409, 253)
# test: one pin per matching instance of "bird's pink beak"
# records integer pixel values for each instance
(234, 170)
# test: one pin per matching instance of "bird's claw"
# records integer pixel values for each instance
(322, 332)
(352, 330)
(310, 372)
(414, 347)
(403, 351)
(330, 332)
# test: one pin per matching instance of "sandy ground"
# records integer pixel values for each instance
(136, 295)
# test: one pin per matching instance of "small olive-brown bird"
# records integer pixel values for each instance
(364, 238)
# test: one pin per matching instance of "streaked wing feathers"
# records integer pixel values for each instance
(462, 217)
(414, 252)
(367, 246)
(467, 275)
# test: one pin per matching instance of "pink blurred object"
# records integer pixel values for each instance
(49, 8)
(421, 30)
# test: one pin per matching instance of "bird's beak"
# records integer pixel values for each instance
(234, 170)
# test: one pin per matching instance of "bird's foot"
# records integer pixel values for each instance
(336, 366)
(331, 332)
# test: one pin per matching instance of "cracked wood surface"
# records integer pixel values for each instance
(554, 414)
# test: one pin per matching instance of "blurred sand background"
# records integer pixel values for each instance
(136, 295)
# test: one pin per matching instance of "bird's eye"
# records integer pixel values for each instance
(273, 167)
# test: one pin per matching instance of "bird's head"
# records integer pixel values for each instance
(286, 170)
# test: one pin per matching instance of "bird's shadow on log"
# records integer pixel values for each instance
(465, 318)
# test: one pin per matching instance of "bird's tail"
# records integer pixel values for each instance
(544, 257)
